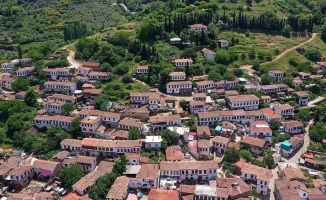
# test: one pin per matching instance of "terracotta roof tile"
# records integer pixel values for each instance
(174, 153)
(253, 141)
(158, 194)
(260, 172)
(148, 171)
(119, 188)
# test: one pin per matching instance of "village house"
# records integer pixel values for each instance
(258, 175)
(297, 82)
(203, 86)
(95, 66)
(178, 76)
(63, 98)
(285, 110)
(269, 90)
(174, 154)
(48, 169)
(99, 76)
(223, 44)
(55, 107)
(209, 54)
(226, 129)
(270, 115)
(111, 119)
(89, 124)
(92, 93)
(141, 113)
(291, 146)
(60, 156)
(139, 98)
(25, 71)
(302, 97)
(203, 148)
(47, 121)
(203, 192)
(119, 189)
(142, 70)
(236, 187)
(260, 129)
(109, 148)
(266, 99)
(133, 158)
(198, 28)
(8, 65)
(199, 97)
(292, 174)
(254, 145)
(246, 102)
(86, 163)
(292, 127)
(164, 121)
(59, 86)
(128, 123)
(203, 132)
(198, 106)
(21, 175)
(284, 190)
(303, 75)
(55, 73)
(6, 80)
(228, 85)
(82, 186)
(73, 146)
(175, 40)
(25, 61)
(189, 170)
(183, 62)
(153, 142)
(147, 177)
(220, 144)
(229, 93)
(277, 75)
(84, 71)
(211, 118)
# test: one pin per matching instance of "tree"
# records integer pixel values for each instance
(31, 97)
(133, 134)
(20, 84)
(323, 32)
(70, 175)
(266, 80)
(191, 123)
(288, 80)
(15, 123)
(100, 190)
(120, 166)
(74, 128)
(189, 53)
(169, 138)
(245, 154)
(126, 78)
(275, 125)
(231, 155)
(253, 193)
(184, 104)
(268, 159)
(238, 72)
(313, 54)
(20, 52)
(318, 132)
(303, 115)
(68, 107)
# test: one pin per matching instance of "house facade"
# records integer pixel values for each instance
(246, 102)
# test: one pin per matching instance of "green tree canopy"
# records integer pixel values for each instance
(20, 84)
(70, 175)
(68, 107)
(31, 97)
(169, 138)
(74, 128)
(231, 155)
(313, 54)
(246, 154)
(133, 134)
(268, 159)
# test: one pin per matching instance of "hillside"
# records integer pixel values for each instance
(38, 22)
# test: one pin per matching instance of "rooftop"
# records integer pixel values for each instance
(119, 188)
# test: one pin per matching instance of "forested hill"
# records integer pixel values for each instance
(34, 22)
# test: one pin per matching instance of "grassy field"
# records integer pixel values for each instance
(283, 63)
(260, 42)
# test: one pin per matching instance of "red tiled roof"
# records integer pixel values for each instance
(270, 113)
(90, 142)
(253, 141)
(174, 153)
(148, 171)
(158, 194)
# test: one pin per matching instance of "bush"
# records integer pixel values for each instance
(126, 79)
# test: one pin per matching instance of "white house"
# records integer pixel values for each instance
(302, 97)
(128, 123)
(189, 170)
(179, 87)
(220, 144)
(277, 75)
(292, 127)
(55, 73)
(209, 54)
(25, 71)
(211, 118)
(133, 158)
(153, 142)
(183, 62)
(99, 76)
(84, 71)
(203, 86)
(223, 44)
(175, 40)
(246, 102)
(198, 106)
(55, 107)
(49, 121)
(6, 80)
(203, 148)
(178, 76)
(58, 86)
(72, 145)
(87, 163)
(8, 65)
(260, 175)
(111, 118)
(21, 175)
(146, 178)
(164, 121)
(63, 98)
(198, 27)
(284, 110)
(140, 70)
(89, 124)
(260, 129)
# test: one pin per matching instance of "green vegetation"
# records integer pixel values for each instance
(70, 175)
(169, 138)
(133, 134)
